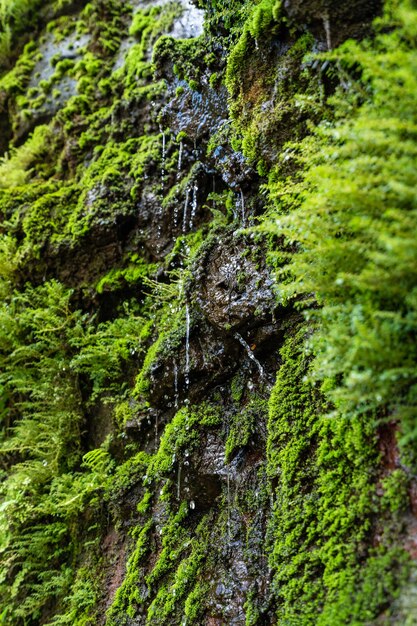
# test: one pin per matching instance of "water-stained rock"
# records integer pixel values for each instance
(331, 21)
(235, 290)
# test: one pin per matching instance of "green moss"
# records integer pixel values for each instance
(181, 435)
(263, 15)
(194, 603)
(185, 56)
(15, 170)
(70, 359)
(326, 479)
(182, 586)
(128, 597)
(396, 488)
(243, 425)
(136, 270)
(16, 16)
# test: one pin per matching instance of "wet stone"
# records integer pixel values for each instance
(237, 291)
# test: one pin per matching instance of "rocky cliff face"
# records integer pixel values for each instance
(167, 451)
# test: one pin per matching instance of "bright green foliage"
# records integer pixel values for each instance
(14, 16)
(44, 346)
(43, 427)
(271, 95)
(15, 168)
(263, 15)
(180, 555)
(325, 485)
(34, 332)
(355, 234)
(181, 435)
(103, 352)
(86, 457)
(243, 425)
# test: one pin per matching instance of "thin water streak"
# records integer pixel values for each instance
(176, 396)
(179, 482)
(163, 159)
(180, 160)
(327, 28)
(176, 211)
(156, 433)
(242, 206)
(184, 220)
(250, 354)
(193, 206)
(187, 346)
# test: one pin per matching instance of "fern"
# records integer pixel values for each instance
(354, 230)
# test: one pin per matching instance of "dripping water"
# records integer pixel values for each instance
(184, 220)
(176, 385)
(163, 160)
(193, 205)
(242, 207)
(250, 354)
(179, 481)
(187, 347)
(156, 433)
(179, 160)
(175, 217)
(326, 23)
(159, 228)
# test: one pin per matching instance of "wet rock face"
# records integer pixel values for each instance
(236, 290)
(332, 21)
(197, 112)
(59, 88)
(212, 358)
(190, 23)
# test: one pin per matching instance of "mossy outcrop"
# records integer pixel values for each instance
(208, 313)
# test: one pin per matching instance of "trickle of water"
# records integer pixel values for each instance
(193, 205)
(176, 211)
(187, 346)
(179, 482)
(326, 24)
(184, 219)
(250, 354)
(163, 160)
(242, 207)
(176, 385)
(180, 159)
